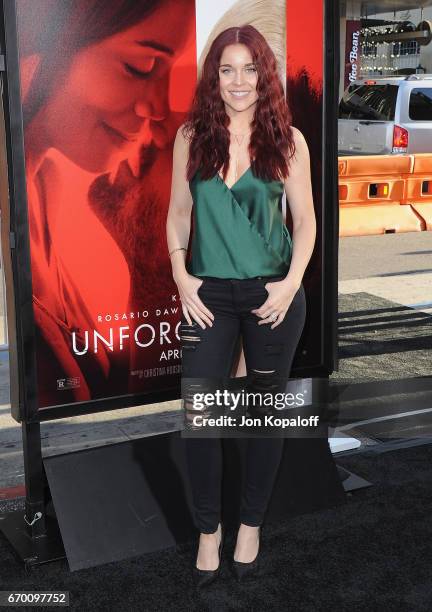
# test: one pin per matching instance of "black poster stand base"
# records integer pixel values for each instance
(34, 533)
(32, 551)
(123, 500)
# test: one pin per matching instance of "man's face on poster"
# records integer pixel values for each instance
(113, 99)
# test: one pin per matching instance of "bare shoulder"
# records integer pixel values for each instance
(181, 147)
(299, 163)
(299, 140)
(301, 158)
(183, 136)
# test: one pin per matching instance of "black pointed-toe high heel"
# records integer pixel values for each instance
(244, 571)
(205, 577)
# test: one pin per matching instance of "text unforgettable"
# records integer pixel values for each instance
(116, 338)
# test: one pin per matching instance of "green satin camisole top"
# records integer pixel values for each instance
(239, 232)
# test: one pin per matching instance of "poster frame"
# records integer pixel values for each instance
(16, 245)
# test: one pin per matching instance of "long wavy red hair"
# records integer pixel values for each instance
(206, 127)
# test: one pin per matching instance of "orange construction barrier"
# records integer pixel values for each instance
(379, 219)
(375, 194)
(418, 192)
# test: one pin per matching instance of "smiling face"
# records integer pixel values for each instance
(114, 96)
(238, 78)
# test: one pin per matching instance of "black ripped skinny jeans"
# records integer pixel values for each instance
(210, 354)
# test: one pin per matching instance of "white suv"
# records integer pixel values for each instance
(384, 115)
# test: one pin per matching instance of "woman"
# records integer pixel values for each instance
(95, 84)
(232, 160)
(269, 18)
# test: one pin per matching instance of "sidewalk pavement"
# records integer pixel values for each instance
(396, 267)
(76, 433)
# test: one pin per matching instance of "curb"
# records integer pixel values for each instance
(13, 492)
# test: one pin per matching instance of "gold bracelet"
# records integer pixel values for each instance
(178, 249)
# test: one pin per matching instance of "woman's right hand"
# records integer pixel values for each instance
(192, 305)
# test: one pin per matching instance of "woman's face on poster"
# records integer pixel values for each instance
(238, 77)
(114, 97)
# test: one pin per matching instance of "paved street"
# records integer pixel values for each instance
(397, 267)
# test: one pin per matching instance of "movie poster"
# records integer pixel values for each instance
(304, 78)
(104, 88)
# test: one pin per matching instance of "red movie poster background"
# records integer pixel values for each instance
(104, 88)
(305, 66)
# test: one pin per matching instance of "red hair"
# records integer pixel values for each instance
(206, 126)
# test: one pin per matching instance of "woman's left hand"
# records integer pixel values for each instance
(281, 294)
